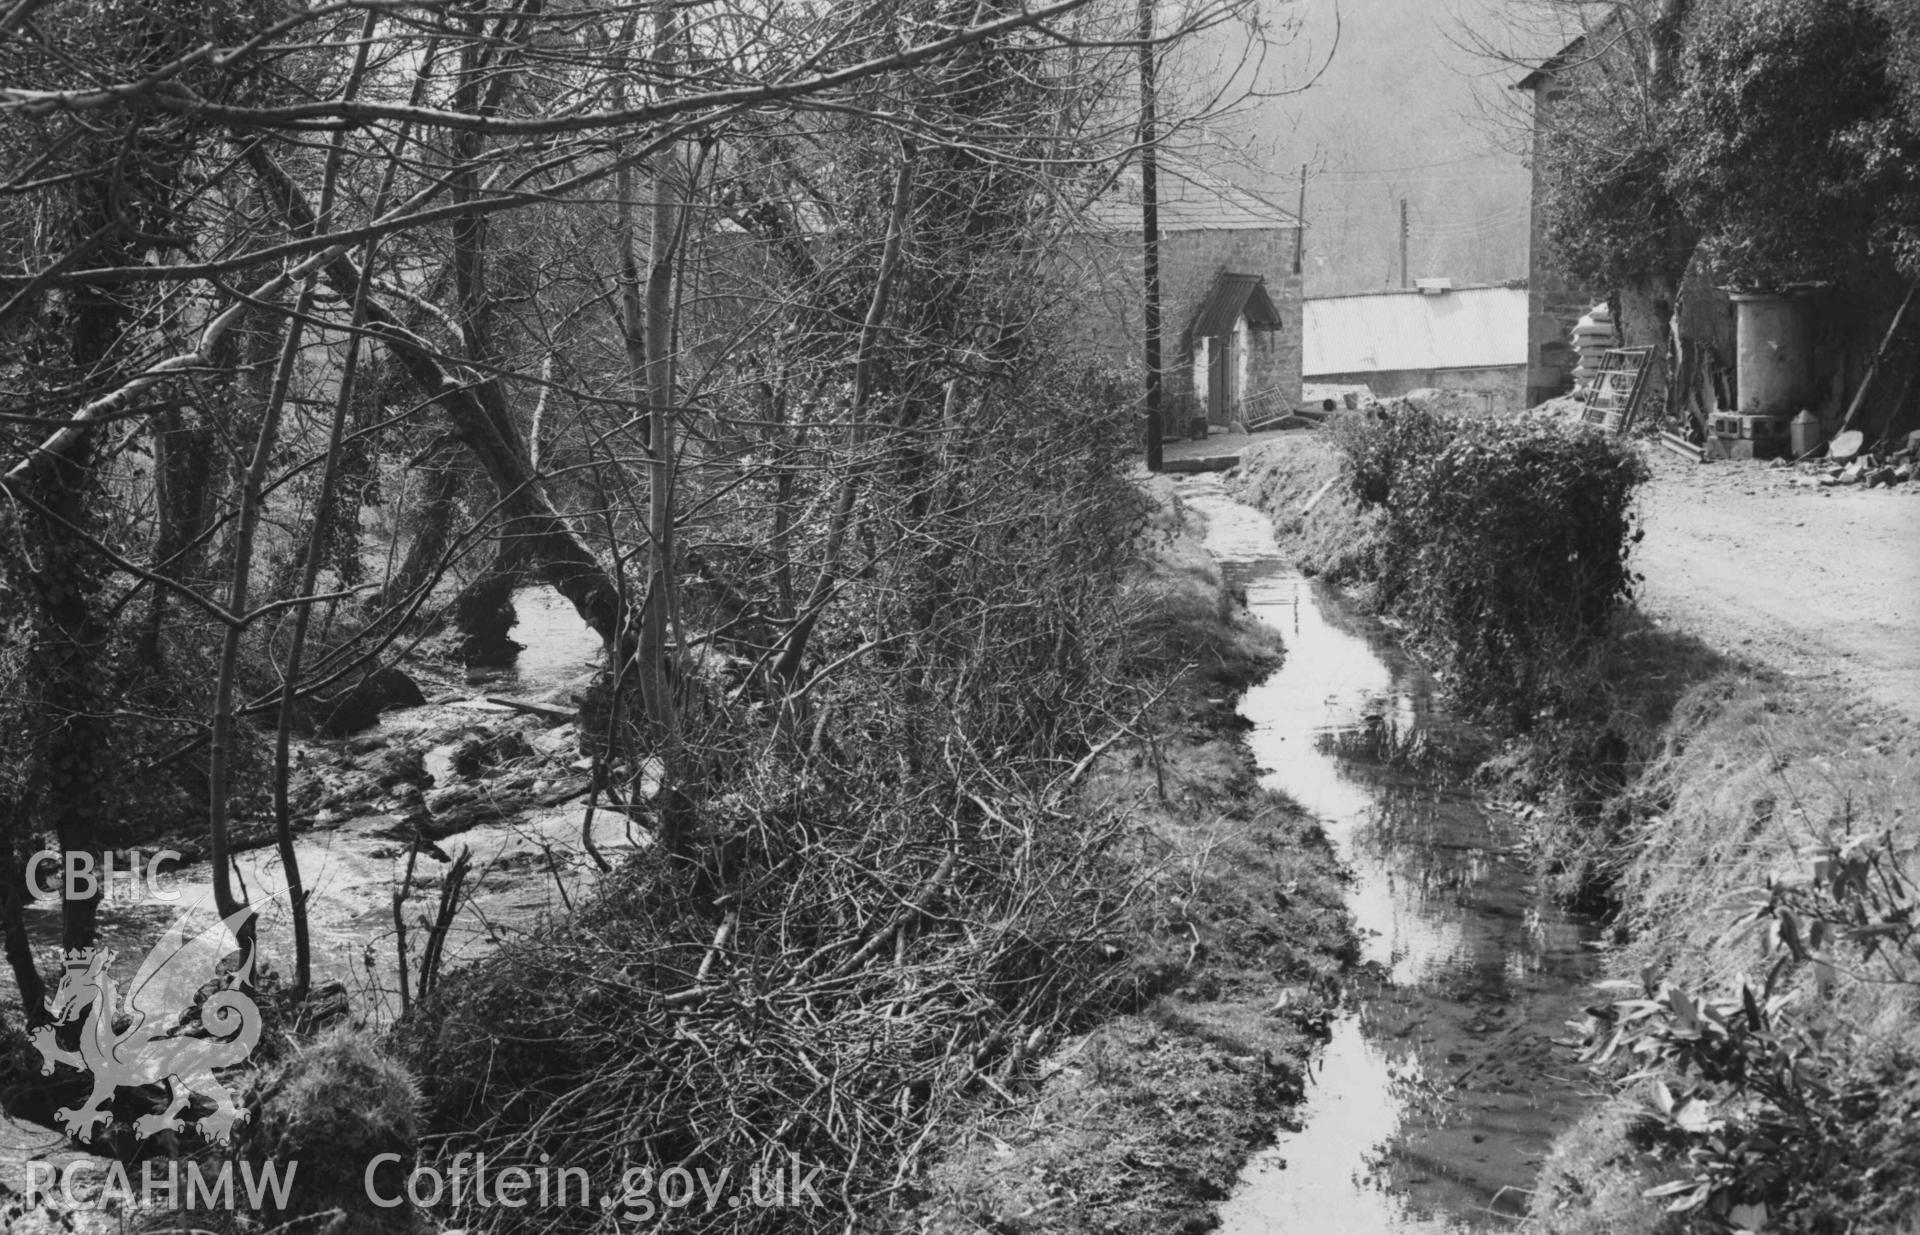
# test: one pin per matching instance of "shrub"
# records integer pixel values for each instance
(874, 961)
(1381, 453)
(333, 1108)
(1783, 136)
(1505, 546)
(320, 1116)
(1768, 1097)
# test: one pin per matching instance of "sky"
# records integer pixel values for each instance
(1396, 105)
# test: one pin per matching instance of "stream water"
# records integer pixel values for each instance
(1432, 1104)
(526, 867)
(1440, 1088)
(558, 649)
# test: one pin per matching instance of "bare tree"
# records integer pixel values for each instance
(400, 214)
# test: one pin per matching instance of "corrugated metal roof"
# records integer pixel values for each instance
(1384, 332)
(1190, 200)
(1232, 296)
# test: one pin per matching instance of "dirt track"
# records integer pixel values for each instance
(1823, 584)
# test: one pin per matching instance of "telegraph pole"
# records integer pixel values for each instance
(1300, 232)
(1150, 228)
(1406, 280)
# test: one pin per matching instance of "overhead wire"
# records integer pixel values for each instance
(1412, 167)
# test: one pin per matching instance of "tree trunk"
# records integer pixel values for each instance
(482, 425)
(662, 247)
(77, 746)
(647, 324)
(483, 612)
(13, 924)
(246, 523)
(78, 741)
(430, 538)
(182, 474)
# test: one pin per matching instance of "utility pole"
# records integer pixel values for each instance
(1300, 232)
(1406, 280)
(1150, 228)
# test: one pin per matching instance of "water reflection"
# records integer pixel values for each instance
(1441, 1087)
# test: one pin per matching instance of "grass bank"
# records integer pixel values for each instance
(1142, 1123)
(1754, 837)
(1765, 880)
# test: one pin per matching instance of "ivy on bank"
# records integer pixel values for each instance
(1503, 545)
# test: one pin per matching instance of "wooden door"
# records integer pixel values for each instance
(1219, 365)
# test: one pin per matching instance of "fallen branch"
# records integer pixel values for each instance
(532, 709)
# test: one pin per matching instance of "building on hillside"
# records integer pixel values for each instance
(1230, 294)
(1470, 340)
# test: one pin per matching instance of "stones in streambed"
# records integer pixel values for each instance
(440, 770)
(326, 792)
(473, 752)
(440, 801)
(395, 766)
(480, 753)
(561, 742)
(360, 707)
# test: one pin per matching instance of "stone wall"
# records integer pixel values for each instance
(1189, 263)
(1108, 268)
(1554, 302)
(1501, 388)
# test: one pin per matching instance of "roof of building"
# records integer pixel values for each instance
(1235, 296)
(1191, 200)
(1385, 332)
(1552, 64)
(1572, 52)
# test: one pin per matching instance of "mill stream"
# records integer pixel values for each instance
(1435, 1099)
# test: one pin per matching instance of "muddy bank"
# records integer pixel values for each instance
(1318, 525)
(1433, 1086)
(1143, 1124)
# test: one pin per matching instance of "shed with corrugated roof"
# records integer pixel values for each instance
(1467, 340)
